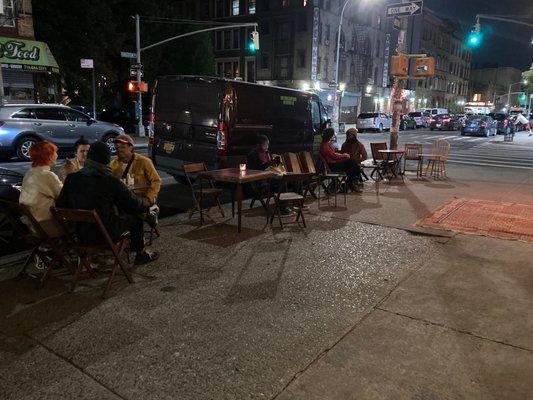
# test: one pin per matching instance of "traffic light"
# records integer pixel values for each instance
(253, 46)
(399, 65)
(474, 38)
(134, 87)
(423, 67)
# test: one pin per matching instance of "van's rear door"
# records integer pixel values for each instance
(186, 112)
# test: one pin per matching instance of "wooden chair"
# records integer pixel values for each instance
(49, 249)
(199, 192)
(331, 182)
(71, 217)
(286, 198)
(292, 163)
(308, 165)
(437, 158)
(412, 153)
(384, 167)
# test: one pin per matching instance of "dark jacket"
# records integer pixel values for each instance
(254, 162)
(104, 193)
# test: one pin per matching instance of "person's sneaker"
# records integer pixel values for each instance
(145, 257)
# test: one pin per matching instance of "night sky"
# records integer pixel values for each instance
(504, 44)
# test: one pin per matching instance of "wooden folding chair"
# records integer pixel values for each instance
(437, 158)
(286, 198)
(69, 217)
(308, 165)
(199, 192)
(331, 182)
(383, 165)
(51, 250)
(412, 153)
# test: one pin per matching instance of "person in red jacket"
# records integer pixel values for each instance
(338, 162)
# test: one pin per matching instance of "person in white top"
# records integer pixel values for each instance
(41, 187)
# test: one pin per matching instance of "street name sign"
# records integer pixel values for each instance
(404, 9)
(125, 54)
(87, 63)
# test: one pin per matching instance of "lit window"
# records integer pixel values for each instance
(251, 6)
(235, 7)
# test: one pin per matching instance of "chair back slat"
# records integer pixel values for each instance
(412, 150)
(441, 148)
(376, 155)
(292, 163)
(194, 168)
(307, 162)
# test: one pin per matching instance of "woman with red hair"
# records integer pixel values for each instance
(40, 186)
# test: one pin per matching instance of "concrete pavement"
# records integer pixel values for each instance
(360, 305)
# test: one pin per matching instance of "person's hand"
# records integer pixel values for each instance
(346, 155)
(69, 167)
(154, 209)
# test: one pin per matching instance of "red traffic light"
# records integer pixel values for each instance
(134, 86)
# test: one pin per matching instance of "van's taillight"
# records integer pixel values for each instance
(222, 138)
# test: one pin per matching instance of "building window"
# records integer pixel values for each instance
(301, 58)
(284, 31)
(235, 7)
(219, 8)
(218, 40)
(251, 6)
(326, 35)
(265, 61)
(302, 23)
(8, 19)
(318, 65)
(378, 48)
(265, 28)
(328, 5)
(376, 72)
(284, 67)
(326, 67)
(228, 68)
(236, 39)
(320, 33)
(285, 3)
(352, 73)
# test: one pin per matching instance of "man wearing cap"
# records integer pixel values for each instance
(137, 166)
(94, 187)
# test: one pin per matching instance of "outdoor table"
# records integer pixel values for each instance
(397, 163)
(237, 177)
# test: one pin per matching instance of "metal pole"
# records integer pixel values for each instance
(337, 107)
(1, 86)
(509, 96)
(94, 94)
(140, 126)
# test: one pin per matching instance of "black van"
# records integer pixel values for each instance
(217, 121)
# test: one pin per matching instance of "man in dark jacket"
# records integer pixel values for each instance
(95, 187)
(259, 158)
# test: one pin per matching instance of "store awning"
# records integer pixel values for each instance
(26, 55)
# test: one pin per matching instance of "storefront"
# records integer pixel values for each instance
(29, 71)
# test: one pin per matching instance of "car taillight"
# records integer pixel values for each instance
(432, 120)
(484, 124)
(446, 120)
(222, 138)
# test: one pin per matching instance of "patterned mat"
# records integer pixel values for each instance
(483, 217)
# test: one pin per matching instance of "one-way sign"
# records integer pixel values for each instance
(404, 9)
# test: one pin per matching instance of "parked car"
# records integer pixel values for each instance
(373, 121)
(421, 120)
(217, 121)
(407, 122)
(503, 123)
(443, 122)
(22, 125)
(10, 182)
(432, 112)
(482, 125)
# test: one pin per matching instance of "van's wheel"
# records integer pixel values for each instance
(109, 139)
(380, 128)
(23, 147)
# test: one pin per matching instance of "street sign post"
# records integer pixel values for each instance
(125, 54)
(88, 63)
(404, 9)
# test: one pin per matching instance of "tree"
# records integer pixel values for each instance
(101, 29)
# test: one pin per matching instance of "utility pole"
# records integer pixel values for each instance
(139, 106)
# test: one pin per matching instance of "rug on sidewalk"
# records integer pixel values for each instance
(505, 220)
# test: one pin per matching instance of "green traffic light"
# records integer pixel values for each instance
(474, 39)
(251, 47)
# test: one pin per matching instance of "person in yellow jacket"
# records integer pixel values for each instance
(137, 169)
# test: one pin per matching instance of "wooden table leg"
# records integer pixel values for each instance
(238, 195)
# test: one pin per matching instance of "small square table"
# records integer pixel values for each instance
(397, 162)
(238, 178)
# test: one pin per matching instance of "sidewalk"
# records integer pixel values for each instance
(360, 305)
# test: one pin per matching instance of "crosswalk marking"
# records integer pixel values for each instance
(493, 155)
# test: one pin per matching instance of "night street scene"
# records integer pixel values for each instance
(266, 199)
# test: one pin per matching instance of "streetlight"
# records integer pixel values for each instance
(337, 105)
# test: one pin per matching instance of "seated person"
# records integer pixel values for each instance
(41, 187)
(81, 148)
(95, 187)
(354, 147)
(260, 158)
(338, 162)
(139, 167)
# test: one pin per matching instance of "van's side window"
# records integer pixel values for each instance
(315, 115)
